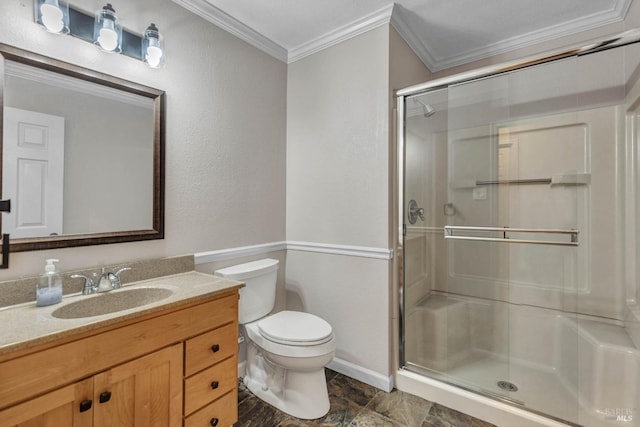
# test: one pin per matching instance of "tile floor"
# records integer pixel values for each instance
(356, 404)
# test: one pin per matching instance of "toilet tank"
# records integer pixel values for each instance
(258, 296)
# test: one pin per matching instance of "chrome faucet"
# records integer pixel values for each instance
(104, 283)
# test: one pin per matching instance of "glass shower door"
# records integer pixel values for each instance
(477, 259)
(498, 170)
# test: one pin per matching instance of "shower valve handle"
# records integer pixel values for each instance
(415, 212)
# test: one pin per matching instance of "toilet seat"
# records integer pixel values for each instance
(295, 328)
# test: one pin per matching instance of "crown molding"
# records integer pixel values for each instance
(368, 22)
(414, 42)
(422, 50)
(612, 16)
(393, 15)
(228, 23)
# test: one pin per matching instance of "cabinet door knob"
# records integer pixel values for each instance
(214, 422)
(105, 396)
(85, 405)
(214, 384)
(215, 348)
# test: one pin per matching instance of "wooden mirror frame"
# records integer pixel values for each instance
(157, 97)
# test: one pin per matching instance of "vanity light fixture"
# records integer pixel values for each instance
(53, 15)
(107, 32)
(103, 29)
(153, 47)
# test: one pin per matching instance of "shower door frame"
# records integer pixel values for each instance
(610, 42)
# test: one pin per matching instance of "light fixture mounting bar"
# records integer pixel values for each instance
(81, 26)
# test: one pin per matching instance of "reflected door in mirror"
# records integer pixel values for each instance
(33, 172)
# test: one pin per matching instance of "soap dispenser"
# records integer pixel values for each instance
(49, 289)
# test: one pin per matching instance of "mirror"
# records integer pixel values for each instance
(82, 155)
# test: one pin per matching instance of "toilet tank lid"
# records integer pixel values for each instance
(248, 269)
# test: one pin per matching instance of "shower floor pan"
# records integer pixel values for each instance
(582, 371)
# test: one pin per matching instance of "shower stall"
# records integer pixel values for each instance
(518, 233)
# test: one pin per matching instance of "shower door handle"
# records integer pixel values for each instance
(449, 233)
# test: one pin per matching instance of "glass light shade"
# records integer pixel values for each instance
(107, 32)
(53, 15)
(153, 47)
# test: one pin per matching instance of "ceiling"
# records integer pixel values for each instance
(443, 33)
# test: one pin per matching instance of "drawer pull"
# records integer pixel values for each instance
(85, 405)
(215, 348)
(214, 422)
(214, 384)
(105, 396)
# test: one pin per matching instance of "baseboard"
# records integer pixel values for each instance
(349, 369)
(359, 373)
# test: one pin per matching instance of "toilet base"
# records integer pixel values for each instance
(300, 394)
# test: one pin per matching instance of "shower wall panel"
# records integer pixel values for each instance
(583, 146)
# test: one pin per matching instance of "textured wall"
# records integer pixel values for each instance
(225, 144)
(337, 181)
(340, 161)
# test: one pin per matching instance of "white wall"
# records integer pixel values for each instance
(337, 183)
(340, 172)
(225, 131)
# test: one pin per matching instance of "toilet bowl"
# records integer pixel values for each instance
(286, 351)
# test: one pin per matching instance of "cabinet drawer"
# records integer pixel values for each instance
(210, 384)
(224, 410)
(210, 348)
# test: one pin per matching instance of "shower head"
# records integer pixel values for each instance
(427, 109)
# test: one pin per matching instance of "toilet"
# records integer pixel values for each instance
(286, 351)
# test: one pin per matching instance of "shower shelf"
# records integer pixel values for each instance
(562, 179)
(450, 229)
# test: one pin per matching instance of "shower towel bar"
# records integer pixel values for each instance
(517, 181)
(449, 230)
(564, 179)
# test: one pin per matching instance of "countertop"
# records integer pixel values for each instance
(26, 325)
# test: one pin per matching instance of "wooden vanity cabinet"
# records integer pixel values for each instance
(186, 373)
(54, 409)
(143, 392)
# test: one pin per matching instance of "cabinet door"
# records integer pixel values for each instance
(144, 392)
(67, 406)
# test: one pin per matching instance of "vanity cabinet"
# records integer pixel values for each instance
(169, 368)
(55, 409)
(144, 392)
